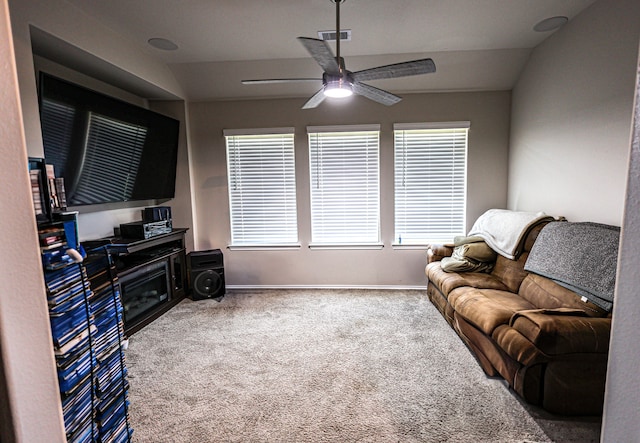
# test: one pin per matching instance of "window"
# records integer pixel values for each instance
(262, 187)
(430, 182)
(344, 182)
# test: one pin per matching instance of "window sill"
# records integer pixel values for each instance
(347, 246)
(263, 247)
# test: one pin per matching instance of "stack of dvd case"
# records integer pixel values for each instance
(88, 335)
(111, 385)
(73, 331)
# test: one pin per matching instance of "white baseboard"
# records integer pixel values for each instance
(373, 287)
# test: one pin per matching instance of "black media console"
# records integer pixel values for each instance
(152, 274)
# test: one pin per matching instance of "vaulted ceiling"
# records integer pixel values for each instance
(475, 44)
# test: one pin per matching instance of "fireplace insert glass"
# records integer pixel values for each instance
(144, 289)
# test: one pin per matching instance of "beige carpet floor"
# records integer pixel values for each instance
(322, 366)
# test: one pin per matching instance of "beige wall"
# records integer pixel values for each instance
(571, 117)
(30, 401)
(487, 179)
(621, 421)
(181, 205)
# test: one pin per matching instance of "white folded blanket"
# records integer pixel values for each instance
(504, 230)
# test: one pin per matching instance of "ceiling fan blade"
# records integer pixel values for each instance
(320, 51)
(280, 80)
(375, 94)
(315, 100)
(405, 69)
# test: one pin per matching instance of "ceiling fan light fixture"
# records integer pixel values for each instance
(338, 89)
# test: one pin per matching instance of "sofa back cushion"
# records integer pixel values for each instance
(544, 293)
(511, 272)
(532, 236)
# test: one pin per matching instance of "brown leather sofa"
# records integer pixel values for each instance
(548, 344)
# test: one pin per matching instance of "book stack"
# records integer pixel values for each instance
(88, 336)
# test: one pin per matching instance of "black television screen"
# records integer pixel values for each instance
(106, 150)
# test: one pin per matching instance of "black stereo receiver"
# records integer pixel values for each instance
(144, 230)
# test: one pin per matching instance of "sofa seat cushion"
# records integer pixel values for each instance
(487, 308)
(544, 293)
(448, 281)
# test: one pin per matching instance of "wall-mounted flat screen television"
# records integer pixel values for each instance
(106, 150)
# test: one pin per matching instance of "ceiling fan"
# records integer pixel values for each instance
(337, 81)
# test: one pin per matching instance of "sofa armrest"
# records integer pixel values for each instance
(438, 252)
(563, 331)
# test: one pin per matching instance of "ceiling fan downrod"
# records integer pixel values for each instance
(338, 59)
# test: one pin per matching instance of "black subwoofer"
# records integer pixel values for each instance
(206, 269)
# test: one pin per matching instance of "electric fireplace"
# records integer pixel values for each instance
(151, 275)
(144, 290)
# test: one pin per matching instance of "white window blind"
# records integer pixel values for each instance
(262, 187)
(345, 185)
(430, 182)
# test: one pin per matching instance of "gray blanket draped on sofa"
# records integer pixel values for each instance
(582, 257)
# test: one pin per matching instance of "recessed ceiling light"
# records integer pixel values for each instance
(550, 24)
(162, 43)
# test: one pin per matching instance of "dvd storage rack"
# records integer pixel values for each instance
(88, 336)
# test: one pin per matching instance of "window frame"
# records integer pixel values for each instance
(408, 128)
(320, 240)
(290, 186)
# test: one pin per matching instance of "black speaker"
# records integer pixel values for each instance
(206, 269)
